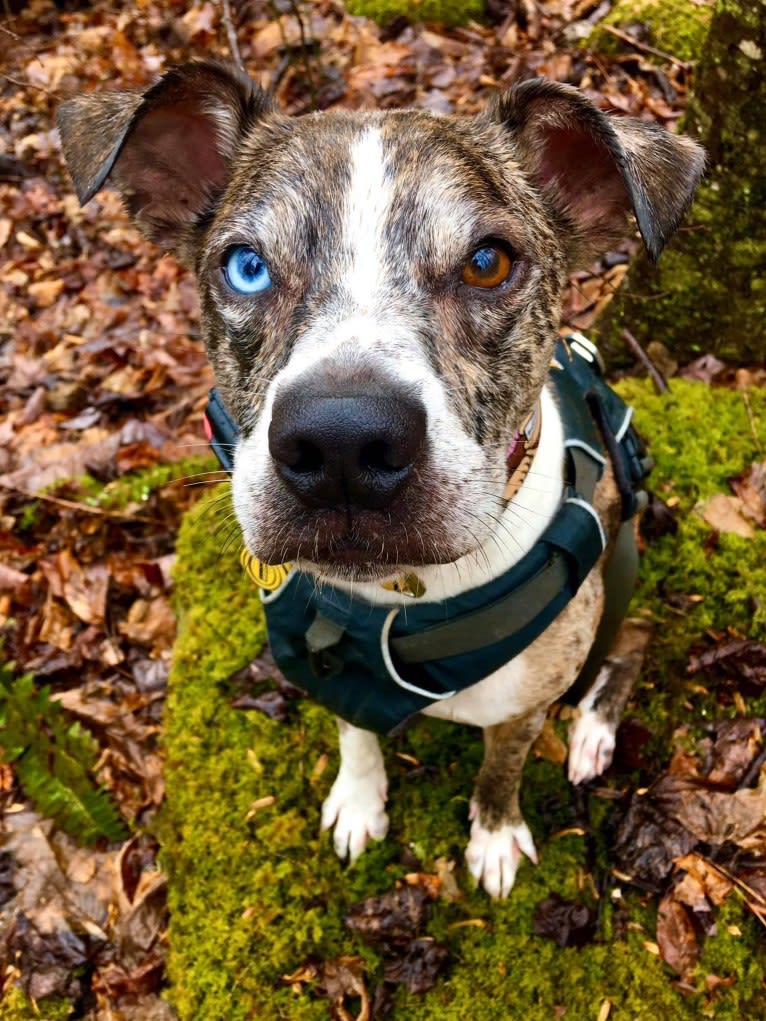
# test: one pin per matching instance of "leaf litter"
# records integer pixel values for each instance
(103, 382)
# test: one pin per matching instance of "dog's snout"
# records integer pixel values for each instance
(358, 449)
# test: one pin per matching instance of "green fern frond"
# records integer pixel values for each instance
(54, 759)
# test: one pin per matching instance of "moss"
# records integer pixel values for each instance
(138, 486)
(449, 12)
(15, 1006)
(676, 28)
(255, 892)
(708, 293)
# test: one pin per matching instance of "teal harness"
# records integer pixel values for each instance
(377, 667)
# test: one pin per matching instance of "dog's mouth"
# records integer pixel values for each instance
(363, 546)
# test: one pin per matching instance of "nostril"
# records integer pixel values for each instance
(308, 458)
(378, 456)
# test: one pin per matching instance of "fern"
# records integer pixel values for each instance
(54, 759)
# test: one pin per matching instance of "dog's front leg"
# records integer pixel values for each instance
(499, 835)
(357, 801)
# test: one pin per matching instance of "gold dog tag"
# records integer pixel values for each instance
(265, 576)
(407, 585)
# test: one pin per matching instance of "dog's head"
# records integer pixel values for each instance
(379, 292)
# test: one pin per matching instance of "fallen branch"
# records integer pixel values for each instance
(660, 383)
(644, 47)
(231, 34)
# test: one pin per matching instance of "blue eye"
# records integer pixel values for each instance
(245, 271)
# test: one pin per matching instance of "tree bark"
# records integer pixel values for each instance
(708, 293)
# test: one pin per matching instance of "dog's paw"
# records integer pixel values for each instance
(493, 856)
(591, 746)
(355, 808)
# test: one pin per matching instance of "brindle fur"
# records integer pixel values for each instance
(205, 162)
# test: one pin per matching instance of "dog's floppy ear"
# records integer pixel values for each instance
(595, 169)
(168, 150)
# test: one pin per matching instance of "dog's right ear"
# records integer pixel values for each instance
(168, 151)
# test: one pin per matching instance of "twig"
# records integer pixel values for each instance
(84, 508)
(231, 34)
(305, 50)
(751, 417)
(683, 64)
(660, 384)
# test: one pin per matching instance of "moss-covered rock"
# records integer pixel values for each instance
(448, 12)
(676, 27)
(15, 1006)
(255, 890)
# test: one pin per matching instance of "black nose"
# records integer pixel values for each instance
(336, 448)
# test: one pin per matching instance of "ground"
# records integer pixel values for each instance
(103, 382)
(255, 892)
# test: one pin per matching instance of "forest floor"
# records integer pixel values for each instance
(103, 382)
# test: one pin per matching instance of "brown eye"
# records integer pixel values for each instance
(489, 266)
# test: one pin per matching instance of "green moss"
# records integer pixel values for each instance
(138, 486)
(15, 1006)
(677, 27)
(449, 12)
(255, 893)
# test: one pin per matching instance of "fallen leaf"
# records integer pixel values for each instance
(716, 886)
(566, 922)
(705, 369)
(45, 292)
(742, 656)
(657, 519)
(549, 745)
(737, 742)
(418, 966)
(391, 918)
(750, 488)
(649, 839)
(724, 513)
(676, 937)
(150, 622)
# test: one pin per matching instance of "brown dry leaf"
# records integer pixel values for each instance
(715, 818)
(715, 885)
(150, 622)
(341, 979)
(737, 743)
(57, 625)
(418, 966)
(12, 580)
(676, 936)
(724, 514)
(283, 31)
(45, 292)
(549, 745)
(750, 488)
(83, 588)
(744, 657)
(566, 922)
(392, 918)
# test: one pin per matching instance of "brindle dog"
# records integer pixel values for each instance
(380, 302)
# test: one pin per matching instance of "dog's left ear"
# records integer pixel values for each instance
(594, 169)
(168, 151)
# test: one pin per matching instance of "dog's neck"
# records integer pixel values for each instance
(518, 528)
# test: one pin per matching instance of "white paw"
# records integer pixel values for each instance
(591, 747)
(493, 856)
(356, 807)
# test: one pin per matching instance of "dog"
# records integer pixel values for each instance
(380, 301)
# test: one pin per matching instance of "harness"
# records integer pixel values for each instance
(377, 667)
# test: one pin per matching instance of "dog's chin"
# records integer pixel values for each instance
(353, 559)
(359, 566)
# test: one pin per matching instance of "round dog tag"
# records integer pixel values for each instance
(265, 576)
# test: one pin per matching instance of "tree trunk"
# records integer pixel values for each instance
(708, 294)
